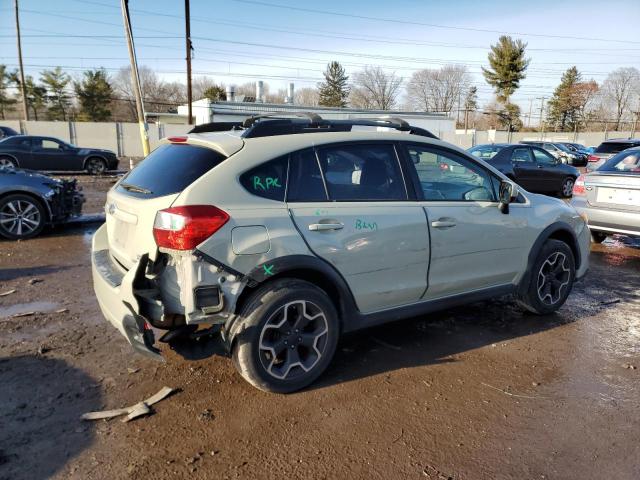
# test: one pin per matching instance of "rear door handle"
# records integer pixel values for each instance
(443, 224)
(320, 227)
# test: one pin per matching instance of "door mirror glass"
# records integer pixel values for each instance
(508, 192)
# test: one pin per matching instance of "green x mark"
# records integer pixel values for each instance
(268, 269)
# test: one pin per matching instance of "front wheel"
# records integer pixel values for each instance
(96, 166)
(288, 336)
(566, 190)
(550, 280)
(21, 217)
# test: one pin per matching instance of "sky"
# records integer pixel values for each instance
(278, 41)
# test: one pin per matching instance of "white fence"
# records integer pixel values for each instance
(124, 138)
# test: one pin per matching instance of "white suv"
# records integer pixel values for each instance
(281, 234)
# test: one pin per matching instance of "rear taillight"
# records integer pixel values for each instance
(593, 158)
(184, 228)
(578, 186)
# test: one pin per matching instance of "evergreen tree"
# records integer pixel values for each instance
(334, 91)
(95, 94)
(471, 100)
(564, 108)
(6, 102)
(36, 96)
(56, 82)
(507, 65)
(215, 93)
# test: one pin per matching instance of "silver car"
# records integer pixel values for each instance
(282, 234)
(609, 198)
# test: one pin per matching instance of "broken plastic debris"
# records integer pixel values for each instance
(135, 411)
(8, 292)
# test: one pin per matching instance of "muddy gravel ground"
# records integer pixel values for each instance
(480, 392)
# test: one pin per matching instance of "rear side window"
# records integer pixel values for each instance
(613, 147)
(268, 180)
(305, 179)
(362, 172)
(169, 169)
(521, 155)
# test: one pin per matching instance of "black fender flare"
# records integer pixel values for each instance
(304, 267)
(545, 235)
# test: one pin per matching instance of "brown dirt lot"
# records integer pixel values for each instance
(479, 392)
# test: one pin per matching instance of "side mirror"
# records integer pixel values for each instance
(508, 192)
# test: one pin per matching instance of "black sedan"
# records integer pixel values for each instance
(51, 154)
(530, 166)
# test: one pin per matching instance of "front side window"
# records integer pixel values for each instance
(521, 155)
(268, 180)
(446, 176)
(543, 157)
(360, 172)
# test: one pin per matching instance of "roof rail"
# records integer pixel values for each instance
(307, 122)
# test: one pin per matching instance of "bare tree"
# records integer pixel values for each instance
(307, 96)
(202, 84)
(438, 90)
(618, 88)
(375, 88)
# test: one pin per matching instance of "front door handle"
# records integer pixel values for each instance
(321, 227)
(443, 224)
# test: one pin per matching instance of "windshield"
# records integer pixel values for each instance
(623, 162)
(485, 152)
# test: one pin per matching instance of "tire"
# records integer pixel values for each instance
(21, 217)
(566, 190)
(8, 162)
(96, 166)
(598, 237)
(550, 282)
(268, 335)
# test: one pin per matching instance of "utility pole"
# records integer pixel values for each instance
(187, 20)
(23, 90)
(635, 123)
(135, 79)
(530, 108)
(542, 99)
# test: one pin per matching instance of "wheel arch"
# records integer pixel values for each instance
(12, 157)
(94, 155)
(300, 267)
(561, 231)
(36, 196)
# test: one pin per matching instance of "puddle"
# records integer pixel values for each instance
(21, 308)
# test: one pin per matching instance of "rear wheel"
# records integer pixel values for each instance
(567, 187)
(7, 162)
(598, 237)
(551, 279)
(288, 336)
(96, 166)
(21, 217)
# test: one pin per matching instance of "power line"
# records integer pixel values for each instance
(423, 24)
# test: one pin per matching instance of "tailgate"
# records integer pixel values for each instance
(130, 225)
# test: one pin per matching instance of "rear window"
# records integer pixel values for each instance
(623, 162)
(614, 147)
(169, 169)
(485, 152)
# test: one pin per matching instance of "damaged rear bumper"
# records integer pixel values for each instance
(114, 288)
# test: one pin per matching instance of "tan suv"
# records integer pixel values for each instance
(283, 233)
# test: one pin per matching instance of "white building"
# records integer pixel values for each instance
(206, 111)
